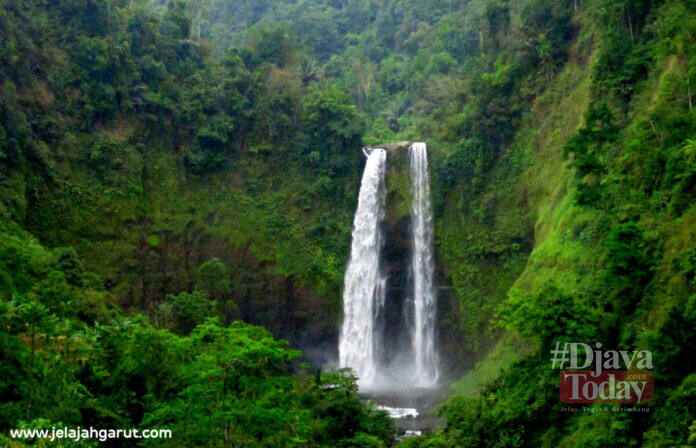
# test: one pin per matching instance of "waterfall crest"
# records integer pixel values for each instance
(425, 359)
(364, 282)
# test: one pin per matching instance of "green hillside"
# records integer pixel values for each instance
(175, 175)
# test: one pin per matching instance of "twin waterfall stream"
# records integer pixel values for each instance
(361, 342)
(364, 291)
(425, 362)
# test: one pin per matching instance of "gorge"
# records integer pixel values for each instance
(191, 238)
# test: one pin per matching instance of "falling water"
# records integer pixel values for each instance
(425, 359)
(364, 283)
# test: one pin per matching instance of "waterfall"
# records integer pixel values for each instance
(425, 358)
(364, 283)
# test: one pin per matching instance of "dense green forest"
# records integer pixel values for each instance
(177, 184)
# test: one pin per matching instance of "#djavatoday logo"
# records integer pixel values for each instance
(595, 375)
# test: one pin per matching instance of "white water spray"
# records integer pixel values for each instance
(425, 359)
(364, 283)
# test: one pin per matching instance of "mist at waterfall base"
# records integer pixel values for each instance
(406, 361)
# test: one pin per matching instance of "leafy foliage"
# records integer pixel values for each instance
(202, 158)
(69, 357)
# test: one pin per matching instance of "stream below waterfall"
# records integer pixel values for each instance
(413, 409)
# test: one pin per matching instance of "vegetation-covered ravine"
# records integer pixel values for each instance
(177, 186)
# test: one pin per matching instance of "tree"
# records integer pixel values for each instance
(213, 278)
(191, 309)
